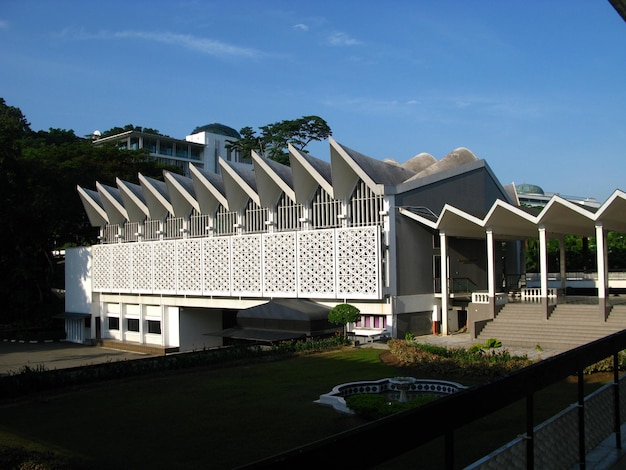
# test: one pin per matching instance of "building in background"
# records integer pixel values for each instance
(203, 147)
(534, 196)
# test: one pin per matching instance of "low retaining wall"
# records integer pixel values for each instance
(337, 396)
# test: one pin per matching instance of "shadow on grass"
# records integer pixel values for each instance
(222, 418)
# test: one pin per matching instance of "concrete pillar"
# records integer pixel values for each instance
(491, 265)
(602, 255)
(562, 267)
(444, 283)
(543, 267)
(491, 273)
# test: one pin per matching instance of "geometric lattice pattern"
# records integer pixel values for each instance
(279, 264)
(101, 267)
(316, 263)
(216, 264)
(189, 272)
(246, 263)
(323, 264)
(358, 273)
(142, 267)
(120, 264)
(165, 267)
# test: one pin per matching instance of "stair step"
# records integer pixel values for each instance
(568, 326)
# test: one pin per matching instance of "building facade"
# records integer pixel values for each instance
(178, 258)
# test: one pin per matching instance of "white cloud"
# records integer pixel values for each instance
(300, 27)
(204, 45)
(342, 39)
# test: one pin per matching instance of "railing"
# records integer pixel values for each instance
(483, 298)
(426, 423)
(462, 284)
(576, 276)
(457, 285)
(534, 293)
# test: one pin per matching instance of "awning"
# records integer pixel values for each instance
(266, 336)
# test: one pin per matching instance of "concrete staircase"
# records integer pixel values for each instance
(568, 326)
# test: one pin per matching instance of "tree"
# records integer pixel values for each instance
(342, 314)
(41, 210)
(130, 127)
(275, 138)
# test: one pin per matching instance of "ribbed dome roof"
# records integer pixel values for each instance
(219, 129)
(529, 189)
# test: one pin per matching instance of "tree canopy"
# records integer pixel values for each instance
(342, 314)
(41, 210)
(274, 138)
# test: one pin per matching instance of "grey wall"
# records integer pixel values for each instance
(414, 257)
(474, 192)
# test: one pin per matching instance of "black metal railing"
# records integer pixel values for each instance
(468, 405)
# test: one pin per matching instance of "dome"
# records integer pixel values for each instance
(529, 189)
(219, 129)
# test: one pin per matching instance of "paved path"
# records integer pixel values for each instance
(464, 340)
(58, 355)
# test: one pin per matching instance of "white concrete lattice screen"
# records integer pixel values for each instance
(331, 263)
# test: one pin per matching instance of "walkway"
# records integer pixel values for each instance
(58, 355)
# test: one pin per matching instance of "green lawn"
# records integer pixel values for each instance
(221, 418)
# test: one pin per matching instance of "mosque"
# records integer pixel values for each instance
(259, 252)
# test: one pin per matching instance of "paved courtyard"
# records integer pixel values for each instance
(57, 355)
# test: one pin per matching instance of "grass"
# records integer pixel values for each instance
(222, 418)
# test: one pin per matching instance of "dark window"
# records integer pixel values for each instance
(114, 323)
(154, 327)
(132, 324)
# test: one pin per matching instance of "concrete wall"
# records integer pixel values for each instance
(414, 257)
(78, 280)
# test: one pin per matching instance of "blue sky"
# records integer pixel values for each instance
(536, 88)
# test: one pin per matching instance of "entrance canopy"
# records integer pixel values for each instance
(504, 220)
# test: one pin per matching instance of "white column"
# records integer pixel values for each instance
(491, 266)
(122, 321)
(185, 228)
(142, 320)
(562, 267)
(444, 282)
(345, 213)
(543, 261)
(271, 217)
(601, 245)
(389, 234)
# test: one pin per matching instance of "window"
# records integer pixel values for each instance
(132, 324)
(154, 327)
(150, 144)
(114, 323)
(166, 148)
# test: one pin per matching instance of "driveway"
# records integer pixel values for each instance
(57, 355)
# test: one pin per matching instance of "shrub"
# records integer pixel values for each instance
(440, 360)
(31, 379)
(606, 365)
